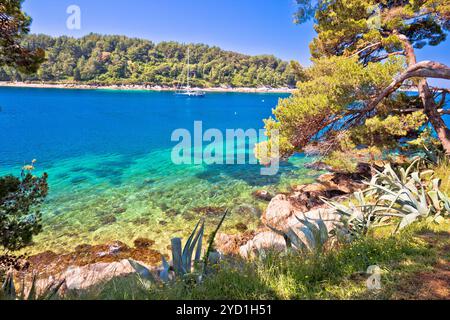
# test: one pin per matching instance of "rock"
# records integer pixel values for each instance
(318, 166)
(143, 243)
(326, 178)
(269, 240)
(279, 209)
(80, 278)
(263, 195)
(108, 219)
(241, 227)
(50, 262)
(247, 210)
(230, 244)
(262, 242)
(119, 210)
(328, 216)
(210, 211)
(172, 213)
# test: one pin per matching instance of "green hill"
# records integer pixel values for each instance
(111, 59)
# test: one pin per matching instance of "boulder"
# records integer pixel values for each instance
(81, 278)
(279, 209)
(230, 244)
(263, 195)
(262, 242)
(328, 216)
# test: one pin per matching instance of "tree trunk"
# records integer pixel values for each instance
(429, 105)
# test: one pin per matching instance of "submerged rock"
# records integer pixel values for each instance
(210, 211)
(263, 195)
(108, 219)
(119, 210)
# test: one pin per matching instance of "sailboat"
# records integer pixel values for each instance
(188, 91)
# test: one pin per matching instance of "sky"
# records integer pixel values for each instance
(246, 26)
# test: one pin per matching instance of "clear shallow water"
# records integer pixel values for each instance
(107, 154)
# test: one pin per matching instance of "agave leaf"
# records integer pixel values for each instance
(434, 196)
(198, 254)
(164, 274)
(52, 290)
(312, 232)
(295, 240)
(411, 167)
(32, 295)
(186, 256)
(439, 219)
(196, 242)
(424, 174)
(177, 256)
(436, 183)
(360, 198)
(416, 178)
(324, 236)
(311, 238)
(8, 288)
(407, 220)
(403, 175)
(423, 207)
(142, 271)
(211, 241)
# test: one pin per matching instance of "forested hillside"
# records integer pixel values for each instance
(121, 60)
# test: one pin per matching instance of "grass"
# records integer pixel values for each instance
(336, 274)
(443, 172)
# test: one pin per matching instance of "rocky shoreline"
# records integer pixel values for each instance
(91, 265)
(137, 87)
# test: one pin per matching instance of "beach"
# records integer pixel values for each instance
(138, 87)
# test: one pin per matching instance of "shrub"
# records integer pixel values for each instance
(20, 199)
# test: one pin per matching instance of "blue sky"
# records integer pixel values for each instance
(247, 26)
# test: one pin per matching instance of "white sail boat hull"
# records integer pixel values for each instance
(188, 92)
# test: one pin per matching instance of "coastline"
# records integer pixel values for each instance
(137, 87)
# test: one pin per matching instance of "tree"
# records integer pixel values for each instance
(20, 217)
(14, 25)
(111, 59)
(363, 53)
(20, 198)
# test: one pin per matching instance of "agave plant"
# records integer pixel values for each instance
(315, 233)
(404, 194)
(187, 261)
(409, 195)
(9, 292)
(358, 219)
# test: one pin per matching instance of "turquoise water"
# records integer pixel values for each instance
(108, 156)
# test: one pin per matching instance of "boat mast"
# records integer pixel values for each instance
(189, 67)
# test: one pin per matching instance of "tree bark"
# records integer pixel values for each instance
(424, 69)
(429, 105)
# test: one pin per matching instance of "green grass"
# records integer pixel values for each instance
(337, 274)
(443, 172)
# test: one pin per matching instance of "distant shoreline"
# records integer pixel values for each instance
(137, 87)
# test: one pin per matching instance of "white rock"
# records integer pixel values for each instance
(262, 242)
(279, 209)
(79, 278)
